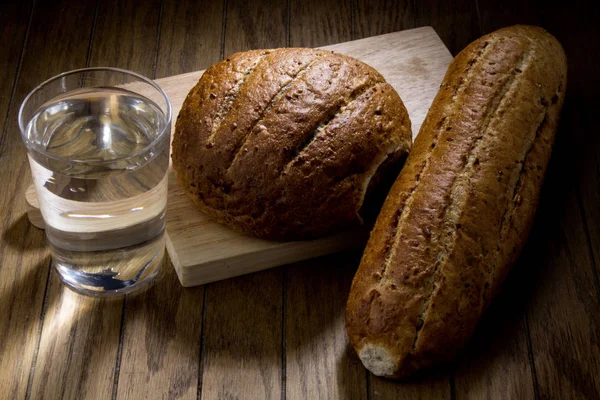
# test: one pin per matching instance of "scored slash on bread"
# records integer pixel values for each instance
(460, 211)
(287, 143)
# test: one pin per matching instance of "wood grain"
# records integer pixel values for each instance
(78, 347)
(162, 327)
(456, 22)
(244, 17)
(242, 350)
(563, 315)
(369, 20)
(125, 35)
(80, 337)
(24, 262)
(190, 36)
(589, 191)
(161, 341)
(316, 23)
(433, 385)
(244, 315)
(563, 312)
(495, 362)
(320, 364)
(14, 21)
(563, 23)
(493, 15)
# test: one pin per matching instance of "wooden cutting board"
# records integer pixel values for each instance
(412, 61)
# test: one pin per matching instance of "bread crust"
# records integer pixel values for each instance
(283, 143)
(459, 213)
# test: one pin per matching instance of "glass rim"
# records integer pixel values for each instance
(160, 136)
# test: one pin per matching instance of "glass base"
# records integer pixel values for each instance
(109, 279)
(73, 284)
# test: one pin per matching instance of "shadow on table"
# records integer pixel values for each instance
(434, 383)
(316, 344)
(24, 265)
(15, 234)
(19, 316)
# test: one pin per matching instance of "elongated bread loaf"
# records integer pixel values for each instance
(461, 209)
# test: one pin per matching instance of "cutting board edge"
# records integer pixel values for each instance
(287, 253)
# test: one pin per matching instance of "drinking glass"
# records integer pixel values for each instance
(98, 145)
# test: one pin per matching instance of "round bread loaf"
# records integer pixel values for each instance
(286, 144)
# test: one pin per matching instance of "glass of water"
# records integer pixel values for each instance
(98, 144)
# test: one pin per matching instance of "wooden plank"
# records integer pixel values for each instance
(319, 23)
(583, 62)
(563, 311)
(190, 36)
(589, 172)
(495, 362)
(78, 346)
(242, 340)
(14, 20)
(433, 385)
(456, 22)
(244, 17)
(162, 326)
(563, 314)
(242, 348)
(370, 19)
(15, 352)
(320, 363)
(24, 261)
(125, 35)
(493, 15)
(589, 183)
(80, 338)
(161, 341)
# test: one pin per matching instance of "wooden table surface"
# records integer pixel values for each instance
(280, 333)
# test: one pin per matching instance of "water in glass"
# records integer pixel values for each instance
(101, 187)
